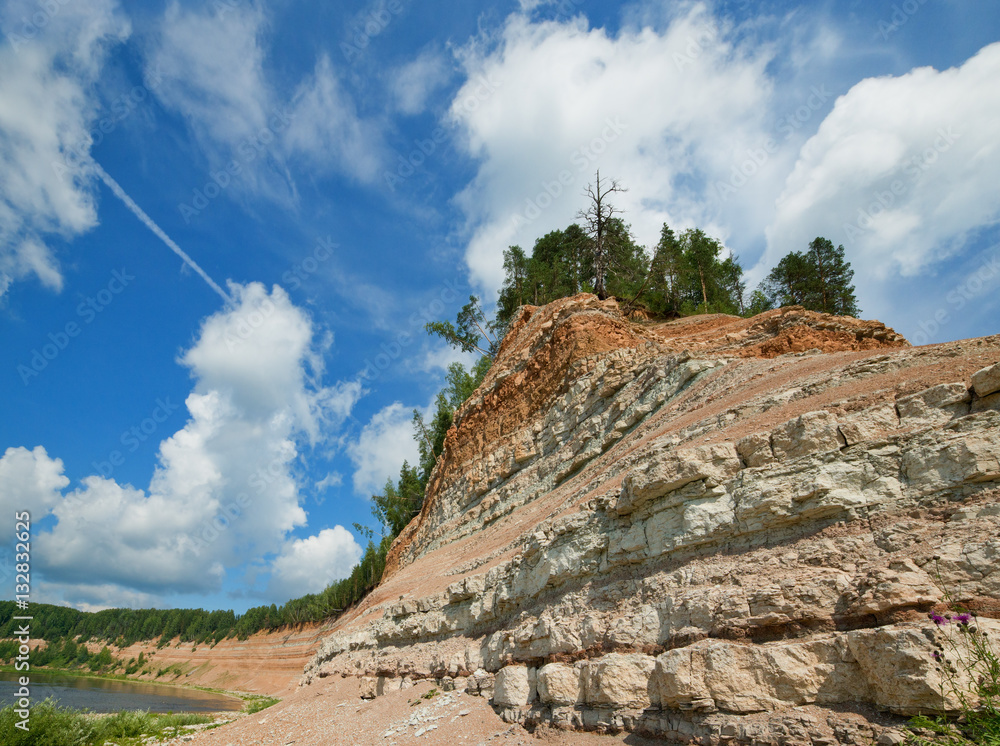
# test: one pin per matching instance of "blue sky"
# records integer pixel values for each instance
(224, 224)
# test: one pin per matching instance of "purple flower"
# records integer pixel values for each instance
(963, 618)
(938, 620)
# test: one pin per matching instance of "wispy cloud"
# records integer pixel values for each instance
(46, 112)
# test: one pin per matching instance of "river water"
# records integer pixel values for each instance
(112, 695)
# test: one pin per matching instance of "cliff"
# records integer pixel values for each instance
(265, 663)
(712, 530)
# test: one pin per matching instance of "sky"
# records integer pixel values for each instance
(223, 226)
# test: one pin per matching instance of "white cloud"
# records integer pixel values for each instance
(226, 490)
(213, 66)
(666, 112)
(46, 113)
(385, 442)
(32, 482)
(211, 63)
(901, 171)
(327, 130)
(310, 565)
(96, 597)
(333, 479)
(413, 83)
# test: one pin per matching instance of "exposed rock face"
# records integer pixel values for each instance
(715, 530)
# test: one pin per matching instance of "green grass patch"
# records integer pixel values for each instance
(256, 704)
(52, 725)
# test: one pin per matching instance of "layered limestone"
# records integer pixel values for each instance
(714, 530)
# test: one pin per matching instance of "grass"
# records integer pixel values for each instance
(256, 703)
(51, 725)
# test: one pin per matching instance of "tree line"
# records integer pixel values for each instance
(682, 275)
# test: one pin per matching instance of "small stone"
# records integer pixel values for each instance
(892, 738)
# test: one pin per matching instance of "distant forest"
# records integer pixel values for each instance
(684, 274)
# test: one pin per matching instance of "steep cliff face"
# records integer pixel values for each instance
(714, 530)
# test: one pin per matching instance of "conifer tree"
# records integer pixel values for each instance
(819, 279)
(665, 271)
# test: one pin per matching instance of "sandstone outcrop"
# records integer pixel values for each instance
(713, 530)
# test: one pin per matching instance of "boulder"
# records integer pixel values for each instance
(514, 686)
(619, 680)
(812, 432)
(669, 471)
(559, 684)
(987, 380)
(934, 406)
(755, 450)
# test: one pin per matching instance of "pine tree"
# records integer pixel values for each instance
(833, 291)
(665, 271)
(819, 280)
(628, 275)
(708, 284)
(515, 291)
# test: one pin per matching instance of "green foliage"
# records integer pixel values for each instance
(687, 274)
(398, 503)
(471, 332)
(665, 274)
(628, 266)
(459, 385)
(819, 279)
(560, 265)
(707, 283)
(52, 725)
(256, 704)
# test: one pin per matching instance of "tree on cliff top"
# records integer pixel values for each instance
(597, 217)
(819, 279)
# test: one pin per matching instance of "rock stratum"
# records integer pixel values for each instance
(714, 530)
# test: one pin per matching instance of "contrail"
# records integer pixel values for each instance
(130, 204)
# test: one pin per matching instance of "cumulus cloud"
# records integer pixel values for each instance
(46, 114)
(30, 480)
(664, 109)
(96, 597)
(310, 565)
(902, 171)
(226, 488)
(385, 442)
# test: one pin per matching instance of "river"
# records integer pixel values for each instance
(112, 695)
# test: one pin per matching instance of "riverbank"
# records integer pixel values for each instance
(52, 725)
(44, 674)
(265, 664)
(125, 712)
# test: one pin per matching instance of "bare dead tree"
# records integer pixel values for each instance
(596, 216)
